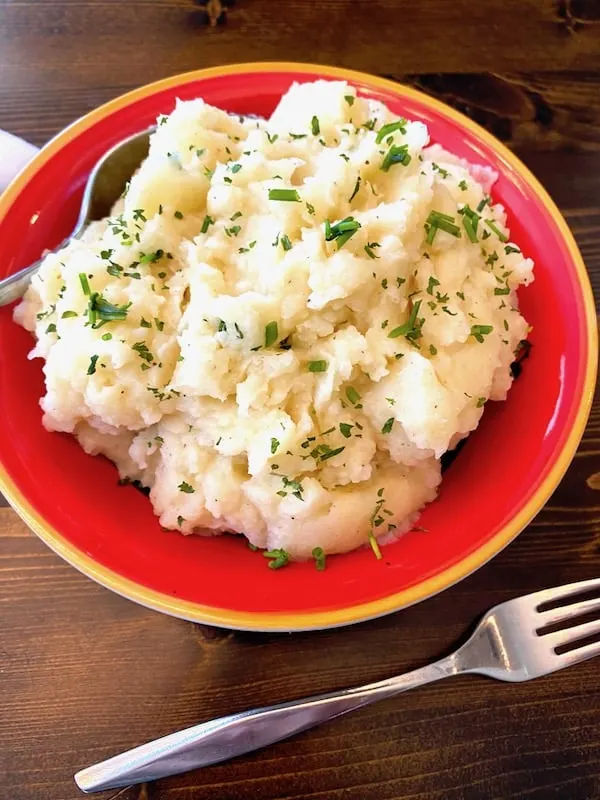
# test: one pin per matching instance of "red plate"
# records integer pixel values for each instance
(505, 473)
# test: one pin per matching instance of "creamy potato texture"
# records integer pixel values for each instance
(284, 324)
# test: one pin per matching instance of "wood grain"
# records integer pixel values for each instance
(84, 673)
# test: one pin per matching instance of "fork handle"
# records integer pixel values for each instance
(234, 735)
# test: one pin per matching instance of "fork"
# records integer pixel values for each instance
(515, 641)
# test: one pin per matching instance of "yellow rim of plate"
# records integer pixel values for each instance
(287, 621)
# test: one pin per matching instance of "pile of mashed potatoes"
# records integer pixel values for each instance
(284, 324)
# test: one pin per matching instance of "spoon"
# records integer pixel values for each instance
(103, 188)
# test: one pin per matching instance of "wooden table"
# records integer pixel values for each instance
(84, 673)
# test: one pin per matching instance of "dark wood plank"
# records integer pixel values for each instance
(104, 42)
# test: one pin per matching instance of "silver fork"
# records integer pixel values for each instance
(509, 644)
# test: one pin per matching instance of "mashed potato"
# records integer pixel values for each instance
(284, 324)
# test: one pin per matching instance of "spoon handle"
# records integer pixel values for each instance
(15, 286)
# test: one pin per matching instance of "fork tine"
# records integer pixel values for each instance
(573, 634)
(575, 656)
(547, 595)
(565, 613)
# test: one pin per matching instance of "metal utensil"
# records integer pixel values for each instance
(515, 641)
(104, 186)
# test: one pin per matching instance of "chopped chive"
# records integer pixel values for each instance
(352, 395)
(186, 488)
(480, 402)
(206, 223)
(310, 208)
(145, 324)
(391, 127)
(510, 249)
(285, 242)
(397, 154)
(437, 220)
(315, 127)
(238, 331)
(84, 283)
(284, 194)
(51, 328)
(159, 324)
(277, 558)
(349, 98)
(236, 168)
(274, 446)
(375, 546)
(504, 290)
(271, 333)
(68, 314)
(492, 226)
(341, 231)
(178, 215)
(106, 337)
(463, 186)
(411, 329)
(483, 203)
(317, 366)
(433, 350)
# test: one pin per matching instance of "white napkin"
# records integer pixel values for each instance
(15, 153)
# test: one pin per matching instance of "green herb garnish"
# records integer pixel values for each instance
(315, 127)
(492, 226)
(356, 188)
(345, 429)
(411, 328)
(391, 127)
(341, 231)
(274, 446)
(397, 154)
(317, 366)
(278, 558)
(319, 556)
(439, 221)
(352, 395)
(186, 488)
(206, 223)
(83, 280)
(369, 249)
(92, 367)
(479, 331)
(290, 195)
(271, 333)
(388, 425)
